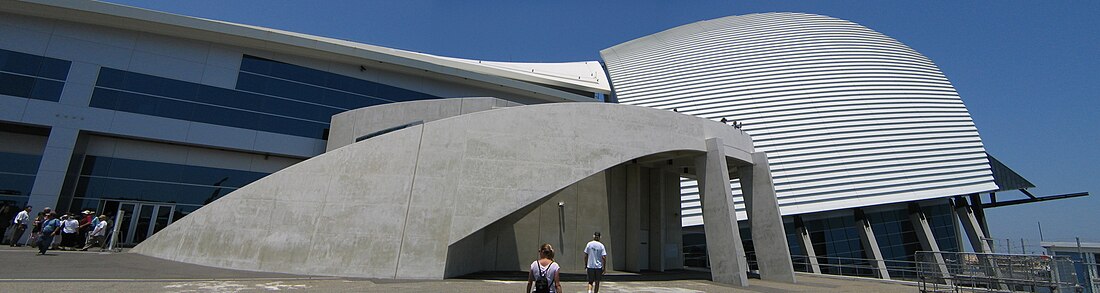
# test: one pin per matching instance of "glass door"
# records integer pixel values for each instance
(126, 225)
(140, 219)
(143, 220)
(164, 216)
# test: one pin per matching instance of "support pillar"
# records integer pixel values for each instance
(665, 236)
(870, 245)
(972, 227)
(634, 192)
(807, 245)
(928, 240)
(979, 213)
(50, 179)
(674, 237)
(773, 255)
(977, 238)
(724, 248)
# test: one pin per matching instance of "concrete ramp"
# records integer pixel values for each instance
(391, 205)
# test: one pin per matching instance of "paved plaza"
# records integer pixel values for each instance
(71, 271)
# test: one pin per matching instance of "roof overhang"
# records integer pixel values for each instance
(528, 79)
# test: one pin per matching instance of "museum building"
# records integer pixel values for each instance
(151, 115)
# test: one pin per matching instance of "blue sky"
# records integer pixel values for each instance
(1029, 72)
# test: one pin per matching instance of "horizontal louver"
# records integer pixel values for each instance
(848, 116)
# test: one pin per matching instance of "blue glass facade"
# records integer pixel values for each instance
(125, 179)
(17, 174)
(32, 76)
(838, 246)
(270, 96)
(290, 81)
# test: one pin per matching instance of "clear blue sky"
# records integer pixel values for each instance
(1029, 72)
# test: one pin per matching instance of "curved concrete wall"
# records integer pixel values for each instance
(848, 116)
(348, 126)
(389, 206)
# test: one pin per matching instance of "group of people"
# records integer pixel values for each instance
(544, 273)
(77, 231)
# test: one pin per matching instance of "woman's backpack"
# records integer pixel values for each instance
(542, 284)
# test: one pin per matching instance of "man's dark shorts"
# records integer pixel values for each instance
(595, 275)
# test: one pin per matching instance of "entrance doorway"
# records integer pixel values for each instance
(139, 219)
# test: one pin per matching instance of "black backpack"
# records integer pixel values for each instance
(542, 285)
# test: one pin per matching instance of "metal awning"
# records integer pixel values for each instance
(1008, 180)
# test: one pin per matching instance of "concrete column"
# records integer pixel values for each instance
(657, 218)
(673, 225)
(928, 240)
(724, 248)
(870, 245)
(977, 238)
(634, 191)
(979, 213)
(51, 171)
(807, 245)
(773, 256)
(970, 225)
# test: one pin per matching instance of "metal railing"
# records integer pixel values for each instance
(964, 271)
(987, 272)
(961, 271)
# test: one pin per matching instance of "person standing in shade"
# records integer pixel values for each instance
(50, 227)
(20, 222)
(70, 232)
(595, 257)
(544, 272)
(36, 229)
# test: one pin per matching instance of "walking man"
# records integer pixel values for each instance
(50, 227)
(20, 222)
(595, 257)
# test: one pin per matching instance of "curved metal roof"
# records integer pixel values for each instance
(848, 116)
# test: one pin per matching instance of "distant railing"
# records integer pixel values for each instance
(984, 272)
(962, 271)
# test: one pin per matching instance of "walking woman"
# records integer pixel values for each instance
(544, 272)
(36, 229)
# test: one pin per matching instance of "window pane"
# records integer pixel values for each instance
(54, 68)
(20, 62)
(47, 90)
(16, 85)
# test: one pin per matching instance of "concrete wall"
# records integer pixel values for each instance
(350, 125)
(511, 243)
(393, 206)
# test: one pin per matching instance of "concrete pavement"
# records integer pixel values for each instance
(68, 271)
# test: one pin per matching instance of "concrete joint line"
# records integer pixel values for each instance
(408, 204)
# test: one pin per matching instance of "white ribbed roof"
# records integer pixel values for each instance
(849, 117)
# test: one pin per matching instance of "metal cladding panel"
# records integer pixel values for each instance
(848, 116)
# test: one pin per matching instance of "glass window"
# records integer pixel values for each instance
(255, 70)
(33, 65)
(161, 182)
(227, 117)
(54, 68)
(19, 163)
(47, 90)
(16, 62)
(134, 103)
(227, 97)
(16, 85)
(111, 78)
